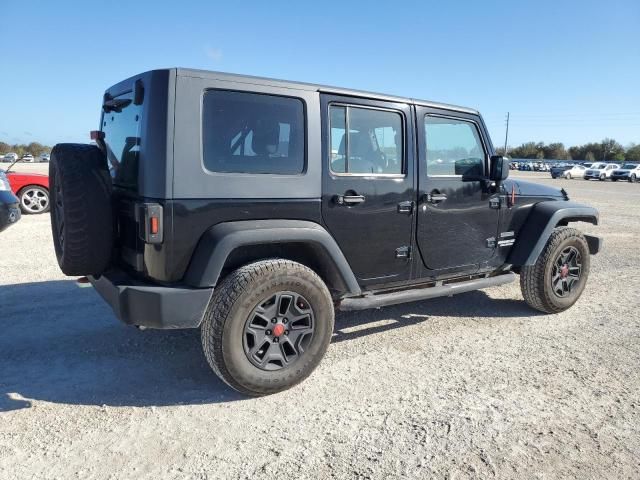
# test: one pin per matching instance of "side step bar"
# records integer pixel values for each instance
(413, 295)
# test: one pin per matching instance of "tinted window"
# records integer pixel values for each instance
(121, 127)
(453, 147)
(253, 133)
(372, 143)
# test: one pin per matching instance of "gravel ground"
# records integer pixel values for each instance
(474, 386)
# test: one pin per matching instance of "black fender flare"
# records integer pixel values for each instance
(543, 218)
(219, 241)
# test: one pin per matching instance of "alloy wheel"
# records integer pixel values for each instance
(278, 331)
(566, 271)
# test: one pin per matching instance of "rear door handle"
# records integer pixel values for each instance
(349, 199)
(436, 198)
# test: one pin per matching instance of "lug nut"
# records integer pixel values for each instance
(286, 332)
(276, 340)
(274, 320)
(268, 332)
(285, 320)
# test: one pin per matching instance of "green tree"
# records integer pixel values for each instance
(633, 153)
(590, 157)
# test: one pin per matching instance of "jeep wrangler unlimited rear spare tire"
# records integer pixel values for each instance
(81, 213)
(556, 281)
(267, 326)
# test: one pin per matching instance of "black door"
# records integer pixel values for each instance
(457, 209)
(368, 185)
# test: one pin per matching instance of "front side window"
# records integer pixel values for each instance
(453, 147)
(365, 141)
(253, 133)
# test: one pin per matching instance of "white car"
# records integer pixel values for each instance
(10, 157)
(577, 171)
(28, 158)
(600, 171)
(629, 172)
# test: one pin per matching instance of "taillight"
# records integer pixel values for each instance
(149, 218)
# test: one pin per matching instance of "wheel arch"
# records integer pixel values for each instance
(542, 220)
(229, 245)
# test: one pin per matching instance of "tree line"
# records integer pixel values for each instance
(606, 150)
(34, 148)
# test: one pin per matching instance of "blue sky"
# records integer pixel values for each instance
(567, 71)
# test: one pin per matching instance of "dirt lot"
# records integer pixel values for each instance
(475, 386)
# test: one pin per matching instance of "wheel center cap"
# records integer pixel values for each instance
(564, 271)
(278, 330)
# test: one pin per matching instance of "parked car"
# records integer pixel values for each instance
(268, 203)
(10, 157)
(600, 171)
(587, 165)
(628, 171)
(568, 171)
(32, 190)
(9, 210)
(558, 171)
(28, 158)
(44, 157)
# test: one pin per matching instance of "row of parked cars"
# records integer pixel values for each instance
(602, 171)
(27, 158)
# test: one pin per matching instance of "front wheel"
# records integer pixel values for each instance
(603, 177)
(557, 279)
(632, 178)
(267, 326)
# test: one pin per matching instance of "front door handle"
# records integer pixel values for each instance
(435, 197)
(405, 207)
(348, 199)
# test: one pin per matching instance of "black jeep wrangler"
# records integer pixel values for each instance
(253, 208)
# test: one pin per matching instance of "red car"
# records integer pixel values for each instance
(32, 190)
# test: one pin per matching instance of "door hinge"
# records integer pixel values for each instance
(495, 203)
(403, 252)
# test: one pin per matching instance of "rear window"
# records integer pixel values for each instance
(253, 133)
(121, 126)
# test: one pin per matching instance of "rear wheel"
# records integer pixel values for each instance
(633, 178)
(34, 199)
(603, 177)
(568, 176)
(557, 279)
(267, 326)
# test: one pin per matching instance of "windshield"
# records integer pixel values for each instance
(629, 166)
(598, 165)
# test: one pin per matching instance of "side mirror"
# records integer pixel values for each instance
(499, 168)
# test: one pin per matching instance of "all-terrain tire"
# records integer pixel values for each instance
(81, 211)
(234, 300)
(536, 280)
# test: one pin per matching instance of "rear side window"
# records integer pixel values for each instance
(121, 126)
(453, 147)
(253, 133)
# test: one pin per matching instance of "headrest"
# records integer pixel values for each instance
(265, 137)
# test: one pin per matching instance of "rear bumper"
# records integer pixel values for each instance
(150, 305)
(9, 209)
